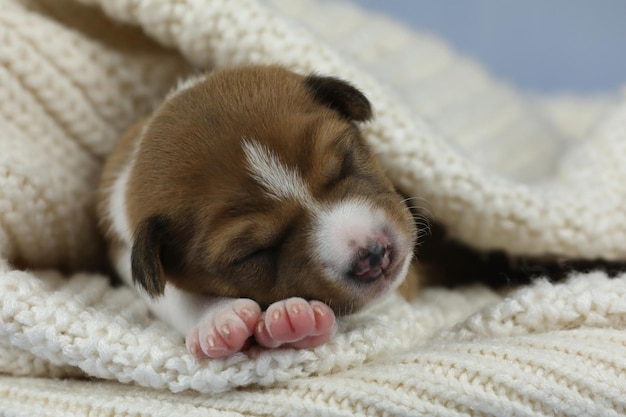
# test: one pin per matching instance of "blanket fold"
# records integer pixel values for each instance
(538, 176)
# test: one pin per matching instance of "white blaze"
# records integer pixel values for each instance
(278, 180)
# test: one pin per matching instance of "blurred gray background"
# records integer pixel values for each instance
(543, 46)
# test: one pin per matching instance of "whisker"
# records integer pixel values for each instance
(417, 214)
(421, 220)
(413, 206)
(421, 210)
(413, 201)
(424, 226)
(416, 198)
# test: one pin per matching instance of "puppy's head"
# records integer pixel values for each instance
(255, 182)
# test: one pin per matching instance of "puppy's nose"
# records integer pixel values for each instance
(371, 262)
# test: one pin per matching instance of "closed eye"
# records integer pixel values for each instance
(268, 253)
(347, 164)
(344, 168)
(256, 243)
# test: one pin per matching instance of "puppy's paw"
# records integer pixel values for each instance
(224, 329)
(297, 323)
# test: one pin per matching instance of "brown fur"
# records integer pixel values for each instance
(203, 224)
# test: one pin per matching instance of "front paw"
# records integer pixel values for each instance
(224, 329)
(227, 326)
(297, 323)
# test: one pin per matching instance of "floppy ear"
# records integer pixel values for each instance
(339, 95)
(146, 263)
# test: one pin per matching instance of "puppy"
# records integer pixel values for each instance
(248, 206)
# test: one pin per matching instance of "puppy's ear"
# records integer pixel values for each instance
(146, 263)
(340, 96)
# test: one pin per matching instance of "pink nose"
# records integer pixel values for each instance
(371, 262)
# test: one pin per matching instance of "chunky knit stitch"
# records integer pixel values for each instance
(528, 175)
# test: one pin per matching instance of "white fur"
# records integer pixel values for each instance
(402, 273)
(185, 84)
(117, 206)
(343, 227)
(117, 201)
(180, 309)
(278, 180)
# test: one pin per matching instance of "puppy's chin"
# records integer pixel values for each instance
(404, 284)
(369, 294)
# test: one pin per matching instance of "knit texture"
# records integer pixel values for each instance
(528, 175)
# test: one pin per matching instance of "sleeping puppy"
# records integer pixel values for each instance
(248, 206)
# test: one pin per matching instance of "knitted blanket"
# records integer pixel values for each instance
(527, 175)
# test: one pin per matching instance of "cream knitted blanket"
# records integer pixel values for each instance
(500, 170)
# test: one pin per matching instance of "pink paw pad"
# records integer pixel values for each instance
(224, 330)
(295, 322)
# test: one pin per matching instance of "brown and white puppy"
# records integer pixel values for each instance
(248, 204)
